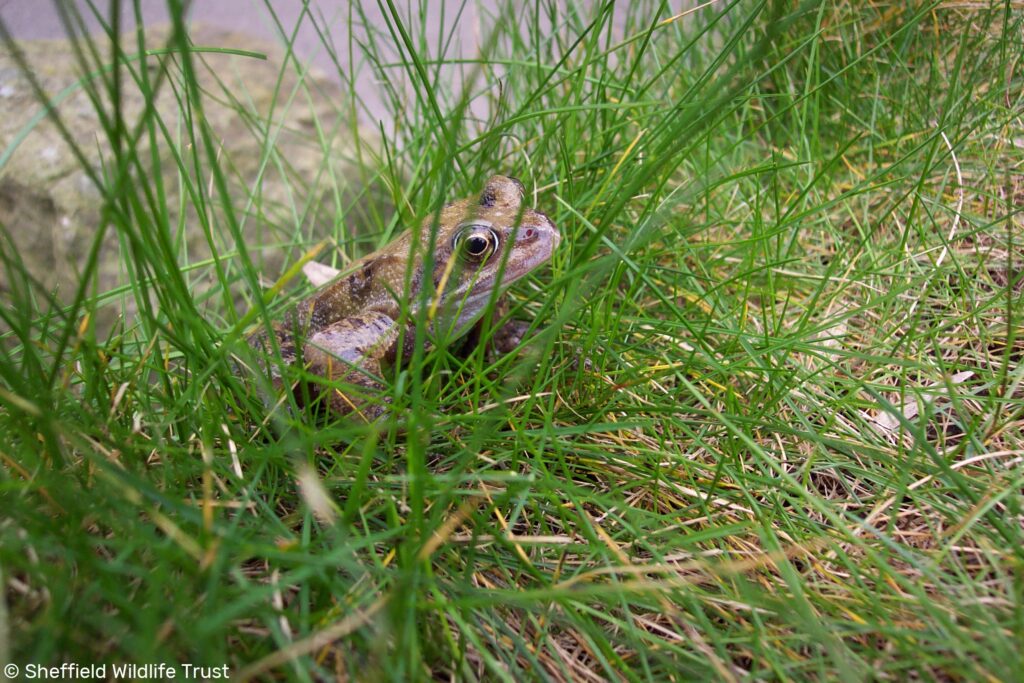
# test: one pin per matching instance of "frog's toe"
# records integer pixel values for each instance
(509, 337)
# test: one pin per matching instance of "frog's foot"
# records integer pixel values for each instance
(350, 354)
(508, 338)
(502, 341)
(505, 338)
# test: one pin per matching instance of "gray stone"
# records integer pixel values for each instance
(51, 209)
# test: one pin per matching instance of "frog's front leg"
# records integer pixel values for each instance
(505, 338)
(353, 351)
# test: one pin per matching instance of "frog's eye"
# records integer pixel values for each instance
(476, 242)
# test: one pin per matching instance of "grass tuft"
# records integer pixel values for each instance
(767, 423)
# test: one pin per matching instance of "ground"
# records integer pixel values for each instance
(766, 423)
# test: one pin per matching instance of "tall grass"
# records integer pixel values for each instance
(767, 423)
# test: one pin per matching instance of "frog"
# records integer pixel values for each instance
(351, 329)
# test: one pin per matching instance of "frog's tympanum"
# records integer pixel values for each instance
(348, 332)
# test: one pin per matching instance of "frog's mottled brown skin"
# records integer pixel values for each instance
(348, 329)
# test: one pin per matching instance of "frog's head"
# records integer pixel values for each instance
(486, 243)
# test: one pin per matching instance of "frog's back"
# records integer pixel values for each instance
(374, 283)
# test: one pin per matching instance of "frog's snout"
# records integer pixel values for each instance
(540, 230)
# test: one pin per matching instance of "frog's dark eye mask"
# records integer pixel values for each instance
(475, 242)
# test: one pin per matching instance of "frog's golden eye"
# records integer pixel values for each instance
(476, 242)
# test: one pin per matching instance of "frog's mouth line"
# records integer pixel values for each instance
(482, 291)
(542, 234)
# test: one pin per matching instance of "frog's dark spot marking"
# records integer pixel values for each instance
(488, 197)
(414, 282)
(359, 281)
(288, 351)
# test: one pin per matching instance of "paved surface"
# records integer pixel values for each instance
(39, 19)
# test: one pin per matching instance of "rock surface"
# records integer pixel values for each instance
(51, 208)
